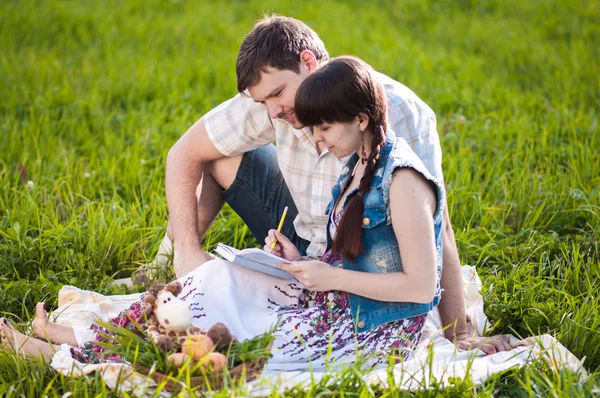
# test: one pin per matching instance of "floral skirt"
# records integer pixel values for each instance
(320, 333)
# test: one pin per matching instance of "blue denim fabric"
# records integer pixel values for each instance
(259, 194)
(381, 251)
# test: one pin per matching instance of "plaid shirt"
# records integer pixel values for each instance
(240, 125)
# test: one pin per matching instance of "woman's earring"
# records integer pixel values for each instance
(363, 155)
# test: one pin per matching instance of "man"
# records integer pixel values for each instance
(230, 152)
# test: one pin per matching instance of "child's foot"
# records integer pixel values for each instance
(14, 341)
(51, 331)
(40, 322)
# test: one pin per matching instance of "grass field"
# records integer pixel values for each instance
(93, 94)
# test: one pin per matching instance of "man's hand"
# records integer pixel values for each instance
(186, 262)
(489, 345)
(316, 276)
(284, 247)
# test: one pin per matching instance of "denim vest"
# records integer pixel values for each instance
(381, 252)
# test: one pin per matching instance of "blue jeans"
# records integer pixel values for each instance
(259, 194)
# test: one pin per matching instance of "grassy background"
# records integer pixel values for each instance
(93, 94)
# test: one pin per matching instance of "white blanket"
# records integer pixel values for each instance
(435, 358)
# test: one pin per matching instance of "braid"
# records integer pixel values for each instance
(348, 239)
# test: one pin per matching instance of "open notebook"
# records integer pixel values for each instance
(256, 259)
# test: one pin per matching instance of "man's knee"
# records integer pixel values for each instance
(224, 171)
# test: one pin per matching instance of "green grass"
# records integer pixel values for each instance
(93, 94)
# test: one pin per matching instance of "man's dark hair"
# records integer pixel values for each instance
(275, 41)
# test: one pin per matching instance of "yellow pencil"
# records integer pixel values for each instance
(280, 225)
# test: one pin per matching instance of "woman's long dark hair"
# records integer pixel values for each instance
(337, 92)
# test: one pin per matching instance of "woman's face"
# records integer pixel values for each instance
(341, 139)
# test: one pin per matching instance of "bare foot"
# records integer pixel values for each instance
(13, 340)
(40, 322)
(46, 330)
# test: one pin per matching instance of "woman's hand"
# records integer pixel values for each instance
(283, 248)
(316, 276)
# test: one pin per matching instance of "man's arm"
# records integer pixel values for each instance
(452, 304)
(185, 163)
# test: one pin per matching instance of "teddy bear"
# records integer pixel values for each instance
(168, 319)
(168, 322)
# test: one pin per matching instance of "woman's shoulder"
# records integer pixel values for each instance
(402, 155)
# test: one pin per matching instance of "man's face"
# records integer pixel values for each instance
(277, 91)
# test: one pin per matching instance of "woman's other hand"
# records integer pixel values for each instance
(316, 276)
(284, 247)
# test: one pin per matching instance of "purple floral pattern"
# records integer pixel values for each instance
(324, 318)
(320, 330)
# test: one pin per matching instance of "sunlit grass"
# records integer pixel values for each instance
(93, 95)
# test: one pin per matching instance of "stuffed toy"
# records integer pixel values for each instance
(168, 319)
(168, 322)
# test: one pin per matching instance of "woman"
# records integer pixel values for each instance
(369, 294)
(381, 272)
